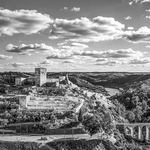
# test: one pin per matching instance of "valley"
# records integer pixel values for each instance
(81, 105)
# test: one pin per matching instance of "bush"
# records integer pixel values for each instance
(18, 145)
(82, 145)
(70, 125)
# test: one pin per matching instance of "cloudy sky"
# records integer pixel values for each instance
(75, 35)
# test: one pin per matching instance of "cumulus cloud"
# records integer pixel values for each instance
(128, 18)
(139, 1)
(140, 61)
(141, 35)
(144, 1)
(121, 53)
(5, 57)
(73, 61)
(31, 64)
(60, 55)
(101, 60)
(21, 65)
(130, 28)
(67, 51)
(132, 61)
(87, 30)
(65, 8)
(46, 62)
(75, 9)
(74, 47)
(23, 21)
(24, 49)
(62, 52)
(98, 56)
(16, 64)
(68, 61)
(130, 3)
(79, 45)
(75, 52)
(148, 46)
(62, 43)
(109, 63)
(147, 17)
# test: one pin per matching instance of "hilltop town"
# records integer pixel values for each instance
(37, 91)
(35, 98)
(70, 106)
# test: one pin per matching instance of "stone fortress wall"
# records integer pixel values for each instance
(40, 78)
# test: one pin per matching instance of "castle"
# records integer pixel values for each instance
(39, 78)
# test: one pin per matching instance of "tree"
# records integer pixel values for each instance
(144, 106)
(80, 118)
(139, 113)
(130, 116)
(98, 122)
(91, 124)
(127, 101)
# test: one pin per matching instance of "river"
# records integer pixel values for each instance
(112, 91)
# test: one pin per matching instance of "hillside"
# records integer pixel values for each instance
(105, 79)
(86, 84)
(69, 103)
(8, 78)
(134, 101)
(85, 105)
(123, 143)
(76, 88)
(94, 80)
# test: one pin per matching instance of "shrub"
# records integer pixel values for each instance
(5, 145)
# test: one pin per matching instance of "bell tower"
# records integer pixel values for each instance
(40, 74)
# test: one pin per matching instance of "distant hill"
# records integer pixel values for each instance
(84, 83)
(105, 79)
(135, 99)
(8, 78)
(93, 80)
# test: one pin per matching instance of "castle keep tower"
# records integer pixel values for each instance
(40, 74)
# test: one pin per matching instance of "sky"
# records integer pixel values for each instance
(75, 35)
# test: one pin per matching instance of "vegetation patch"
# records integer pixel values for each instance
(6, 145)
